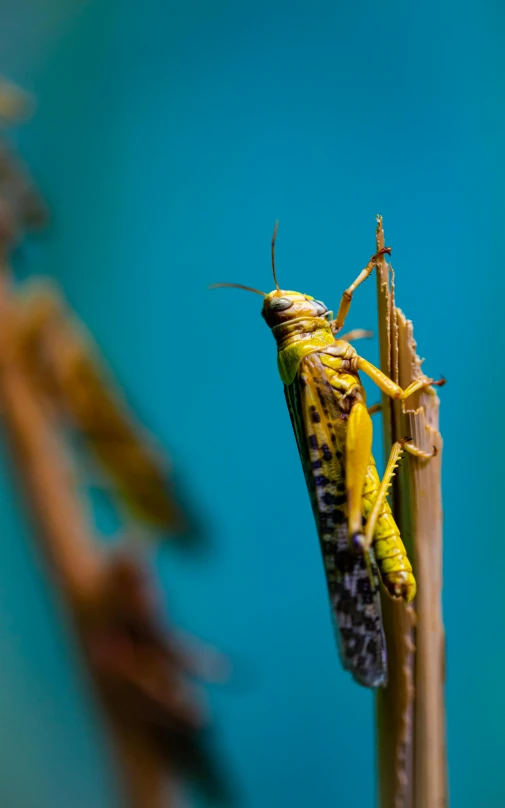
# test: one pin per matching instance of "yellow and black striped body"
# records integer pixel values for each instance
(322, 385)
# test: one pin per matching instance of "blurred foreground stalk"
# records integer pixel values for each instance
(411, 710)
(139, 673)
(80, 570)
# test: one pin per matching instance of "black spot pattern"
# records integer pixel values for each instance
(326, 452)
(357, 616)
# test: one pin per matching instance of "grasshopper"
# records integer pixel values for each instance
(359, 538)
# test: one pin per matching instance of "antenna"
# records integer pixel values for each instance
(238, 286)
(273, 255)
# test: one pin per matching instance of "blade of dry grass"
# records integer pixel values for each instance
(411, 710)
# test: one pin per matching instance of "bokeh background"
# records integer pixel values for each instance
(168, 138)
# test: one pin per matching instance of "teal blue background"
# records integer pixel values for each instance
(168, 139)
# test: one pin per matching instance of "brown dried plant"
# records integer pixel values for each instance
(411, 710)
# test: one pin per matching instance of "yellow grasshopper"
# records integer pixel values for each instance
(333, 428)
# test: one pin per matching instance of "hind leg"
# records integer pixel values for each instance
(358, 446)
(394, 458)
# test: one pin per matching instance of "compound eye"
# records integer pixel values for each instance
(321, 305)
(280, 303)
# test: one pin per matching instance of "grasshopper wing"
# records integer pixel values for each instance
(352, 579)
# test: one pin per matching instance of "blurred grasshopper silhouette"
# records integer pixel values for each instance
(69, 368)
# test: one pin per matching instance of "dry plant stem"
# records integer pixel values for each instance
(60, 517)
(411, 710)
(395, 703)
(147, 783)
(44, 465)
